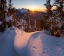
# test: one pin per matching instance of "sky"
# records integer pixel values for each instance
(37, 5)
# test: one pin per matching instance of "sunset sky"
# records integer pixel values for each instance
(37, 5)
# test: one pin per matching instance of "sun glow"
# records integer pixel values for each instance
(32, 8)
(36, 8)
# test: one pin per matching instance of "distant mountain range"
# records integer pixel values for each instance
(23, 10)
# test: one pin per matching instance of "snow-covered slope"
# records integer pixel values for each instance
(14, 42)
(7, 43)
(45, 45)
(20, 42)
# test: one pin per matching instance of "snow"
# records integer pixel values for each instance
(23, 10)
(6, 9)
(22, 23)
(45, 45)
(7, 43)
(59, 25)
(14, 42)
(20, 42)
(8, 18)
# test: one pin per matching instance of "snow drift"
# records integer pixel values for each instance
(42, 44)
(7, 43)
(14, 42)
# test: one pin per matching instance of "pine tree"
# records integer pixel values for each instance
(2, 15)
(55, 16)
(48, 6)
(28, 21)
(60, 5)
(9, 23)
(5, 14)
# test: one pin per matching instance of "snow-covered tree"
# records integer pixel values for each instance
(28, 21)
(55, 18)
(6, 14)
(2, 14)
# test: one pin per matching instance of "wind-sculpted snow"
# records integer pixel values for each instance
(35, 45)
(7, 43)
(14, 42)
(52, 46)
(45, 45)
(20, 42)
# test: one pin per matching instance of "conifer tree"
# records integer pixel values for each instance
(5, 14)
(48, 6)
(28, 21)
(2, 15)
(55, 16)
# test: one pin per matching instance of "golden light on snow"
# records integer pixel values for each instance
(21, 39)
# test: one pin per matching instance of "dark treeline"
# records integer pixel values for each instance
(51, 20)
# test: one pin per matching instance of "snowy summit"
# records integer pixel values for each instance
(23, 10)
